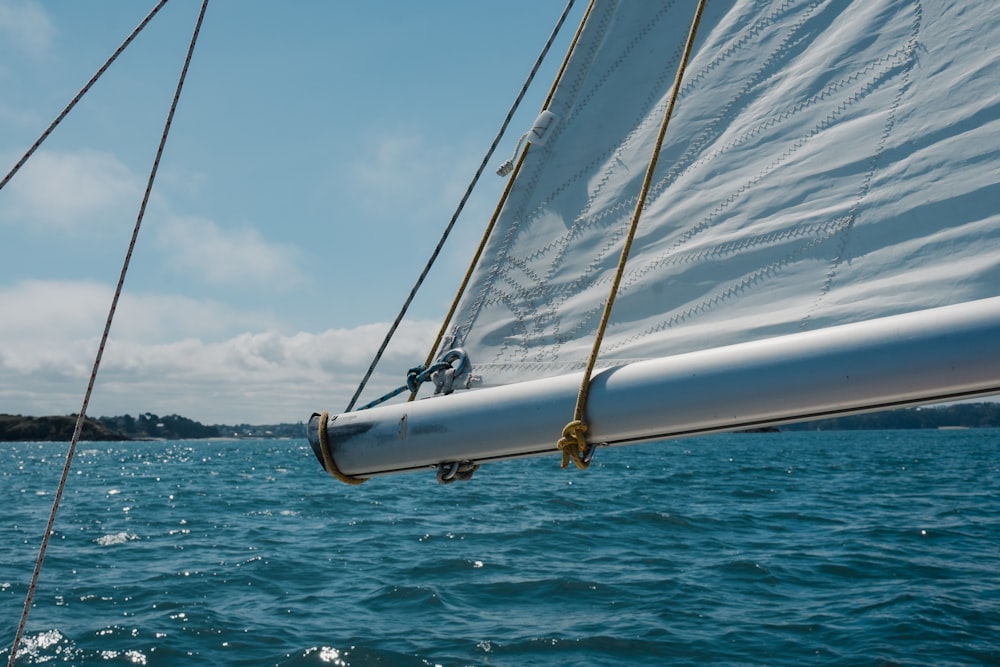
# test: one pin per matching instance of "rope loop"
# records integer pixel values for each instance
(328, 462)
(573, 445)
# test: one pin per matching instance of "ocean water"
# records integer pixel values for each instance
(835, 548)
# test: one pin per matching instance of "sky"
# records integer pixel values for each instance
(317, 153)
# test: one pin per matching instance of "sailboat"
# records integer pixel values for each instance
(791, 206)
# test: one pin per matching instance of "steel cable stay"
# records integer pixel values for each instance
(83, 91)
(81, 416)
(511, 170)
(451, 223)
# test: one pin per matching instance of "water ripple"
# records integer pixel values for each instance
(779, 549)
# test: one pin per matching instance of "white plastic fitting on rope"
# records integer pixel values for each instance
(537, 135)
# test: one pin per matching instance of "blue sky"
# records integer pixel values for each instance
(318, 151)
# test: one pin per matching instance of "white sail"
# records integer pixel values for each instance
(829, 187)
(827, 162)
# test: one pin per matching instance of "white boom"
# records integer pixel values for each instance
(928, 356)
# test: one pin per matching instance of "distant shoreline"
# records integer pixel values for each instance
(144, 427)
(148, 426)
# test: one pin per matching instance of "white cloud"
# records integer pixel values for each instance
(26, 26)
(406, 173)
(87, 189)
(57, 313)
(64, 190)
(228, 256)
(211, 364)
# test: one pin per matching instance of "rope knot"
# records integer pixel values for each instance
(574, 445)
(415, 378)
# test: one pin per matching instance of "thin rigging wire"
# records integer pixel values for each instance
(461, 206)
(79, 95)
(512, 179)
(104, 339)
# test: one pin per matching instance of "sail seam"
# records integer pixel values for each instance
(872, 166)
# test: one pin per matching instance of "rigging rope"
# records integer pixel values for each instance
(414, 378)
(503, 198)
(104, 339)
(458, 211)
(573, 443)
(80, 94)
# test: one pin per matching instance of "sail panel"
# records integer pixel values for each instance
(827, 162)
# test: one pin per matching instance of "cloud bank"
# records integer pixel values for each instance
(169, 354)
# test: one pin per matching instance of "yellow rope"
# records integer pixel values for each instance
(573, 444)
(499, 207)
(468, 273)
(328, 462)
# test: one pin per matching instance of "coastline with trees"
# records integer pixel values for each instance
(149, 426)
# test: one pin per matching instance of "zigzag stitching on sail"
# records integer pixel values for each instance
(871, 85)
(731, 248)
(731, 291)
(647, 118)
(840, 229)
(703, 139)
(670, 256)
(876, 66)
(758, 27)
(890, 123)
(564, 241)
(506, 260)
(581, 220)
(882, 67)
(520, 319)
(643, 120)
(536, 366)
(459, 330)
(549, 317)
(820, 233)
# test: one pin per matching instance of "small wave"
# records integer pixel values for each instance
(42, 647)
(355, 655)
(134, 657)
(328, 655)
(112, 539)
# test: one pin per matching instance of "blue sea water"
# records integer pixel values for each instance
(830, 548)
